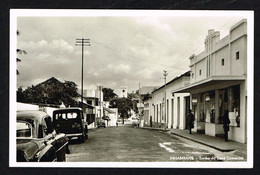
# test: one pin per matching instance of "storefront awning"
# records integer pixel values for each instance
(212, 83)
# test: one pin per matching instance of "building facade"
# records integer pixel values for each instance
(143, 107)
(218, 82)
(123, 92)
(173, 114)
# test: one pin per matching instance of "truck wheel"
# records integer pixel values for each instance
(82, 138)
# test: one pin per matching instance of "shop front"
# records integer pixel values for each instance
(209, 107)
(209, 101)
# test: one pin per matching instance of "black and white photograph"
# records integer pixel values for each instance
(131, 88)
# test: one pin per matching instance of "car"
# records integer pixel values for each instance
(135, 122)
(36, 140)
(72, 122)
(101, 124)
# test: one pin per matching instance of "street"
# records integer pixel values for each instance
(128, 144)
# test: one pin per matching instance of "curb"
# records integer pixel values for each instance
(158, 129)
(203, 143)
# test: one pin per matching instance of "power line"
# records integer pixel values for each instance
(139, 59)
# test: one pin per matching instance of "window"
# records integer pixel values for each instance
(192, 75)
(222, 62)
(23, 129)
(49, 124)
(123, 90)
(72, 115)
(237, 55)
(200, 71)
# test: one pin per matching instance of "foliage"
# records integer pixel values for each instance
(124, 105)
(108, 94)
(19, 51)
(133, 95)
(51, 91)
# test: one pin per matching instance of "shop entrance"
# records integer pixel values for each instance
(187, 108)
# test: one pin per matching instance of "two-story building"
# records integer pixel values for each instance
(218, 82)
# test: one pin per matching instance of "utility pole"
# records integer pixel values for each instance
(82, 42)
(165, 74)
(100, 101)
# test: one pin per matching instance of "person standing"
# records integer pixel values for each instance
(190, 120)
(226, 123)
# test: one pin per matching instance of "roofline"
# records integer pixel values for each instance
(211, 79)
(67, 109)
(176, 78)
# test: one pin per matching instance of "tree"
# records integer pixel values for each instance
(51, 91)
(20, 95)
(108, 94)
(124, 106)
(19, 51)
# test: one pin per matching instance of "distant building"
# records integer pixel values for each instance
(93, 103)
(123, 92)
(143, 108)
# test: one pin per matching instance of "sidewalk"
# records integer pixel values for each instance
(217, 143)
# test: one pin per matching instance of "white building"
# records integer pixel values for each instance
(218, 82)
(177, 105)
(123, 92)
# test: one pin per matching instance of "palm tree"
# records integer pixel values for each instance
(19, 51)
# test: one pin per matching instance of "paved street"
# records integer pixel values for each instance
(128, 144)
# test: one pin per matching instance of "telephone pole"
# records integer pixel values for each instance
(165, 74)
(82, 42)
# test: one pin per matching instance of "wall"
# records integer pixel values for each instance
(200, 66)
(238, 67)
(25, 106)
(113, 117)
(219, 55)
(179, 119)
(226, 49)
(239, 133)
(49, 110)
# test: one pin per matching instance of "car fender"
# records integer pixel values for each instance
(48, 154)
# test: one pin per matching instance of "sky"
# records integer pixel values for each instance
(125, 49)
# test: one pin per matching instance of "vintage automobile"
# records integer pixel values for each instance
(135, 122)
(101, 124)
(36, 140)
(72, 122)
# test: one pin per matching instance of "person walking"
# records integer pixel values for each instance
(190, 120)
(226, 123)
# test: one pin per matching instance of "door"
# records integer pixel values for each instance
(178, 112)
(187, 108)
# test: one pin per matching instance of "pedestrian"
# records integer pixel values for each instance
(190, 120)
(116, 124)
(226, 123)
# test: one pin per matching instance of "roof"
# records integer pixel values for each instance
(30, 114)
(51, 80)
(68, 109)
(147, 89)
(186, 74)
